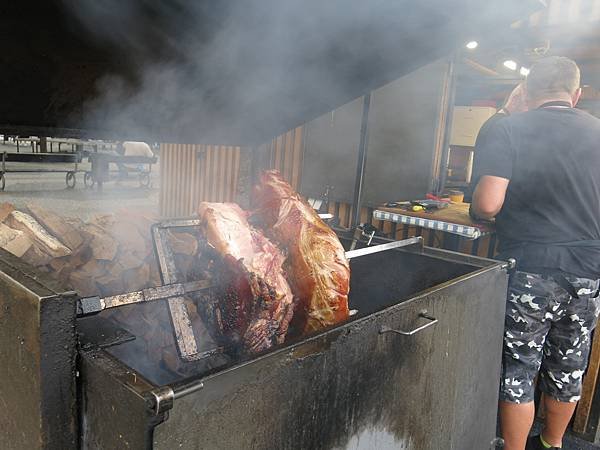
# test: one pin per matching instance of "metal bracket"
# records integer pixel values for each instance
(432, 321)
(163, 399)
(510, 265)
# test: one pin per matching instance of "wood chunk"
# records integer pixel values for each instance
(83, 255)
(57, 264)
(38, 234)
(62, 230)
(104, 221)
(14, 241)
(142, 221)
(103, 246)
(36, 257)
(137, 279)
(5, 209)
(129, 260)
(63, 274)
(115, 269)
(75, 222)
(110, 285)
(83, 283)
(183, 243)
(94, 268)
(128, 235)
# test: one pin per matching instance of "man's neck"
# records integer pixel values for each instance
(533, 104)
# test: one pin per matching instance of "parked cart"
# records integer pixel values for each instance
(100, 171)
(42, 158)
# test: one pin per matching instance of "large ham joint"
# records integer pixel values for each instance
(290, 269)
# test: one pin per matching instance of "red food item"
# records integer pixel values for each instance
(256, 303)
(318, 271)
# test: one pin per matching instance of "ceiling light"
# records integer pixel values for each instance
(510, 64)
(524, 71)
(472, 45)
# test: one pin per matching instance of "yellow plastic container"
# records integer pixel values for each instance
(456, 196)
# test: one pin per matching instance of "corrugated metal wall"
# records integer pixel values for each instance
(194, 173)
(190, 174)
(286, 153)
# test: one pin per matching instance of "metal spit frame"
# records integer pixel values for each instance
(174, 290)
(392, 339)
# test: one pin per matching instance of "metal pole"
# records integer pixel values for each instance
(362, 162)
(448, 128)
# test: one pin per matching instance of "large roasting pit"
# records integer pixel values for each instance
(355, 386)
(377, 281)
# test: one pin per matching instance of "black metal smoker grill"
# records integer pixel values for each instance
(416, 367)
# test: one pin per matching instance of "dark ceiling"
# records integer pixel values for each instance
(228, 72)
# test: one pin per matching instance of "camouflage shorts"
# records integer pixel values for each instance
(547, 331)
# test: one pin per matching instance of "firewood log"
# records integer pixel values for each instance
(14, 241)
(129, 260)
(83, 283)
(62, 230)
(136, 279)
(183, 243)
(38, 234)
(57, 264)
(110, 285)
(95, 267)
(128, 235)
(5, 210)
(36, 257)
(102, 244)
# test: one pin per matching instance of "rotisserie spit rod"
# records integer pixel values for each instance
(94, 305)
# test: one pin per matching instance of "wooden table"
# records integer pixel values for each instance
(453, 220)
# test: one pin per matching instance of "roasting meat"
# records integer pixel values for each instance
(255, 303)
(318, 270)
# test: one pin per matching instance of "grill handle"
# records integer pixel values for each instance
(432, 321)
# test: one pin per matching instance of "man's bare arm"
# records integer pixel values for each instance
(488, 197)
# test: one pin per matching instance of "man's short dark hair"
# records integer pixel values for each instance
(551, 76)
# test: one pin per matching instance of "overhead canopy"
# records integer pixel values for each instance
(226, 72)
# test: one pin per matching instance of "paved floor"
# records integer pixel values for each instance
(572, 442)
(50, 190)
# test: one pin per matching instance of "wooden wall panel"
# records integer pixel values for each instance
(194, 173)
(190, 174)
(286, 152)
(564, 12)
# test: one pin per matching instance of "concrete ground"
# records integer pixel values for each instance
(572, 442)
(50, 190)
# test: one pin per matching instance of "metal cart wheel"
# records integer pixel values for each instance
(144, 179)
(88, 180)
(2, 181)
(70, 180)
